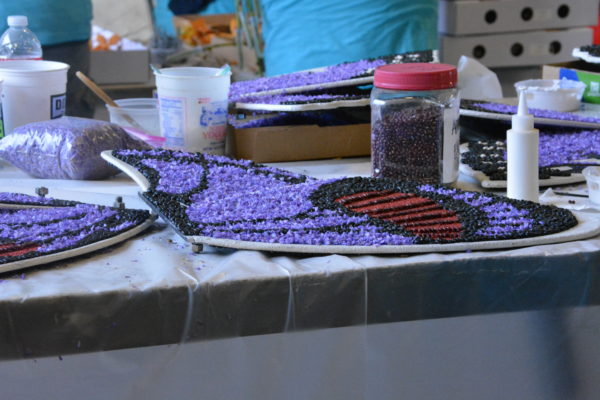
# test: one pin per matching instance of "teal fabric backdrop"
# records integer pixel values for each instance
(53, 21)
(164, 17)
(302, 34)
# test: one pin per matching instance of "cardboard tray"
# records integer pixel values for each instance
(301, 142)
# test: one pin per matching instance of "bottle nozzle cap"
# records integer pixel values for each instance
(522, 120)
(522, 110)
(17, 20)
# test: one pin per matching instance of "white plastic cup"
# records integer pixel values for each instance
(592, 177)
(137, 113)
(192, 103)
(33, 91)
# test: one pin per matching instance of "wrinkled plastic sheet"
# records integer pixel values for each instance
(152, 317)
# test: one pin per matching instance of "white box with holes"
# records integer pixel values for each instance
(515, 49)
(467, 17)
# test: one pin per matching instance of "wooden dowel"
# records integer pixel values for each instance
(96, 89)
(106, 98)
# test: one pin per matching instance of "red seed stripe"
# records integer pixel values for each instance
(10, 246)
(13, 250)
(420, 216)
(378, 200)
(393, 205)
(361, 196)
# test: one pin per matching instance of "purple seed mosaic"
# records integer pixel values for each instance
(58, 225)
(536, 112)
(191, 175)
(333, 73)
(320, 117)
(572, 149)
(569, 147)
(19, 198)
(252, 202)
(298, 98)
(502, 216)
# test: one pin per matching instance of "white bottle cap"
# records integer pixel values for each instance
(17, 20)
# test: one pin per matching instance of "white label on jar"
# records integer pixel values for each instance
(172, 120)
(450, 150)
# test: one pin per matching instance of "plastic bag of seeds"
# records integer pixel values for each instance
(66, 148)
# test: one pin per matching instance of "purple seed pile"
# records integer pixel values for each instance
(242, 200)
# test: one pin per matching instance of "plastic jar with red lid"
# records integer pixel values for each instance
(414, 123)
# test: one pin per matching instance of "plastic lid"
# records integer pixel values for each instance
(17, 20)
(416, 76)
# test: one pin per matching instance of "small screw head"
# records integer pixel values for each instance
(119, 203)
(41, 191)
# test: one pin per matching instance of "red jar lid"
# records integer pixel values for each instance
(416, 76)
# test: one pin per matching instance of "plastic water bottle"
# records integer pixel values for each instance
(18, 42)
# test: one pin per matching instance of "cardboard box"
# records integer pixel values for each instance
(578, 71)
(120, 67)
(492, 16)
(516, 49)
(302, 142)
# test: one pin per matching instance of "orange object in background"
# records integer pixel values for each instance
(101, 43)
(201, 31)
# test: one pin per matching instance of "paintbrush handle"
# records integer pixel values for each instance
(105, 97)
(96, 89)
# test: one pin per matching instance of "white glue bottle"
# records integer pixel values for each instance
(522, 148)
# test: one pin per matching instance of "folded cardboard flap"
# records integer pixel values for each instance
(302, 142)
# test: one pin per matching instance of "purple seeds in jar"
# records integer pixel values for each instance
(406, 141)
(414, 129)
